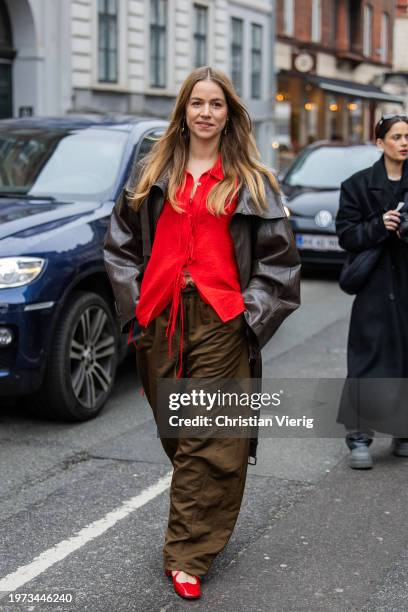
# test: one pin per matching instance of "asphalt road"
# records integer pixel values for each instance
(84, 506)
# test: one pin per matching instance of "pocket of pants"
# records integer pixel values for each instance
(238, 322)
(145, 333)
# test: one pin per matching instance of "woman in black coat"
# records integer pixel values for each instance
(369, 216)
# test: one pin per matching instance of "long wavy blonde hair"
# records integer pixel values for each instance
(239, 153)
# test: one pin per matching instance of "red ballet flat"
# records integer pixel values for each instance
(187, 590)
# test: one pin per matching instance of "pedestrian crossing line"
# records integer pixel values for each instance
(57, 553)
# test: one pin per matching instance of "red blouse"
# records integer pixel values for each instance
(193, 242)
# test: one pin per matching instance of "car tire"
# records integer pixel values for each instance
(82, 361)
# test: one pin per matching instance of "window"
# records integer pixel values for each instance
(316, 20)
(78, 164)
(5, 27)
(6, 55)
(158, 42)
(385, 28)
(326, 167)
(256, 59)
(108, 41)
(355, 26)
(237, 40)
(147, 143)
(333, 22)
(288, 23)
(368, 31)
(200, 35)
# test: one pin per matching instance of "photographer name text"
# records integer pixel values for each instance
(281, 421)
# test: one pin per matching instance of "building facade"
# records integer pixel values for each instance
(329, 57)
(35, 56)
(131, 56)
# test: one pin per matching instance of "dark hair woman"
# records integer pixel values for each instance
(200, 252)
(369, 217)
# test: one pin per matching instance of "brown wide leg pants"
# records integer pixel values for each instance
(209, 473)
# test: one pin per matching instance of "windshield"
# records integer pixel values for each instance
(328, 167)
(60, 163)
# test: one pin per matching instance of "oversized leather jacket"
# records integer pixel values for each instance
(267, 258)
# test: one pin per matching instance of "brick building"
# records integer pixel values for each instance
(396, 82)
(329, 54)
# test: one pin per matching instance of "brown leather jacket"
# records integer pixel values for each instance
(267, 258)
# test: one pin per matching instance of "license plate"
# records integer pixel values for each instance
(317, 242)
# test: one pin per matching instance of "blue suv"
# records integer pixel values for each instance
(59, 179)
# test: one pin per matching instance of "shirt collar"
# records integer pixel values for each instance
(216, 171)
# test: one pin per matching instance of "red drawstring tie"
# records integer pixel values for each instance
(177, 300)
(176, 305)
(130, 338)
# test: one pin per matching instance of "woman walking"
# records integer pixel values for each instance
(369, 217)
(200, 253)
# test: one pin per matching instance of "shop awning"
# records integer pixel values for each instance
(346, 88)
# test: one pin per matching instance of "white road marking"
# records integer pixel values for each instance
(61, 550)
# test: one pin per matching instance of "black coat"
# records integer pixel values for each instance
(378, 334)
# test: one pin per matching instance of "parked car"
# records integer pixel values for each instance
(311, 188)
(59, 179)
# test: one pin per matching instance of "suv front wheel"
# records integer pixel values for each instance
(82, 361)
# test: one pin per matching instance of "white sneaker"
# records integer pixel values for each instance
(360, 458)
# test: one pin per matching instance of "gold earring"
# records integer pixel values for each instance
(226, 128)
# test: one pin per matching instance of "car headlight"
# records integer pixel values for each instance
(287, 211)
(18, 271)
